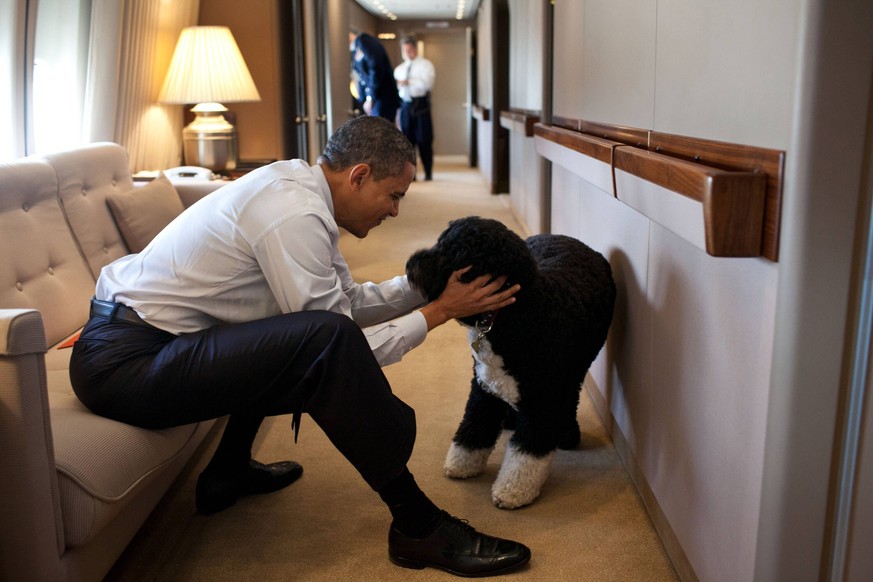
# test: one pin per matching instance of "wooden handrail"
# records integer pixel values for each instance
(729, 156)
(481, 113)
(739, 186)
(594, 147)
(620, 133)
(733, 202)
(523, 118)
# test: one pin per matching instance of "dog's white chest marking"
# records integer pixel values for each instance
(489, 370)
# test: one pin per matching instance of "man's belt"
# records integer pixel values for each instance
(115, 312)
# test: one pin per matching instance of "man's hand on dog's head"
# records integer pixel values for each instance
(458, 300)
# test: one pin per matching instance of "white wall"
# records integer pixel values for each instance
(526, 92)
(484, 90)
(688, 364)
(526, 54)
(825, 225)
(448, 52)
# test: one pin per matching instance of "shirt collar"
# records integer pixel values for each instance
(324, 188)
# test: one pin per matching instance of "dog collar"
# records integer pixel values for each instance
(483, 326)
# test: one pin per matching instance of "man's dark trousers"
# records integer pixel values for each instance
(417, 126)
(314, 362)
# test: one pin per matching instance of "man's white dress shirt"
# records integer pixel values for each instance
(420, 74)
(262, 245)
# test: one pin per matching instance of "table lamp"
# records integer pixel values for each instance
(208, 69)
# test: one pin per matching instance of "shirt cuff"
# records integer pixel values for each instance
(417, 330)
(392, 340)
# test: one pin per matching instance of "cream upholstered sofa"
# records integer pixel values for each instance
(74, 487)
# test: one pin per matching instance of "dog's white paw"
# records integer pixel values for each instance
(462, 462)
(520, 478)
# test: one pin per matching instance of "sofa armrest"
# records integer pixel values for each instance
(31, 538)
(190, 191)
(21, 332)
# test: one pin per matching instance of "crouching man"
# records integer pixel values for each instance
(244, 306)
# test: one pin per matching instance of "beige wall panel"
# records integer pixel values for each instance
(448, 53)
(726, 70)
(687, 372)
(525, 54)
(622, 371)
(713, 322)
(525, 182)
(605, 61)
(531, 179)
(569, 21)
(686, 385)
(484, 91)
(525, 92)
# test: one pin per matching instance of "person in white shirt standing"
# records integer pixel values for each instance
(244, 306)
(415, 79)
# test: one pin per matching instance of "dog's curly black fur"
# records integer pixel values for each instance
(535, 356)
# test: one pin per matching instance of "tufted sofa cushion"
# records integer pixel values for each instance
(75, 486)
(41, 266)
(85, 177)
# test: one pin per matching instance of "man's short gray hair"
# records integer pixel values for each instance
(369, 140)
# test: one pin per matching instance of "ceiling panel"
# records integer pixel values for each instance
(421, 9)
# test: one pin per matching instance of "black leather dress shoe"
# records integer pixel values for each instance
(215, 493)
(457, 548)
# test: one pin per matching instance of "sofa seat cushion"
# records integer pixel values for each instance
(102, 464)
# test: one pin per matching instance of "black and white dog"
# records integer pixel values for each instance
(529, 359)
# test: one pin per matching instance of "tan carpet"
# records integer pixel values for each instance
(588, 524)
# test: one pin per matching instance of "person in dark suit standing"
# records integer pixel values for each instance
(377, 89)
(415, 78)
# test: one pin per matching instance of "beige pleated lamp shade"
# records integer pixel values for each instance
(208, 67)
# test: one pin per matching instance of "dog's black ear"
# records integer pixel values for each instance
(422, 270)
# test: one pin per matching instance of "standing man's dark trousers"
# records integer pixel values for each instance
(313, 362)
(417, 126)
(386, 108)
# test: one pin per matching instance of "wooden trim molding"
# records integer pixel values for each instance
(733, 202)
(739, 186)
(519, 120)
(481, 113)
(769, 162)
(598, 148)
(620, 133)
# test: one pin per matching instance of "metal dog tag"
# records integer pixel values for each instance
(476, 342)
(483, 326)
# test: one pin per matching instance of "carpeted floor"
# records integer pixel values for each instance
(588, 524)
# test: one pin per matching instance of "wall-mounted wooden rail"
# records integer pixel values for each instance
(739, 187)
(618, 133)
(519, 120)
(481, 113)
(594, 147)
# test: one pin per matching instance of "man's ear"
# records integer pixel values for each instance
(358, 174)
